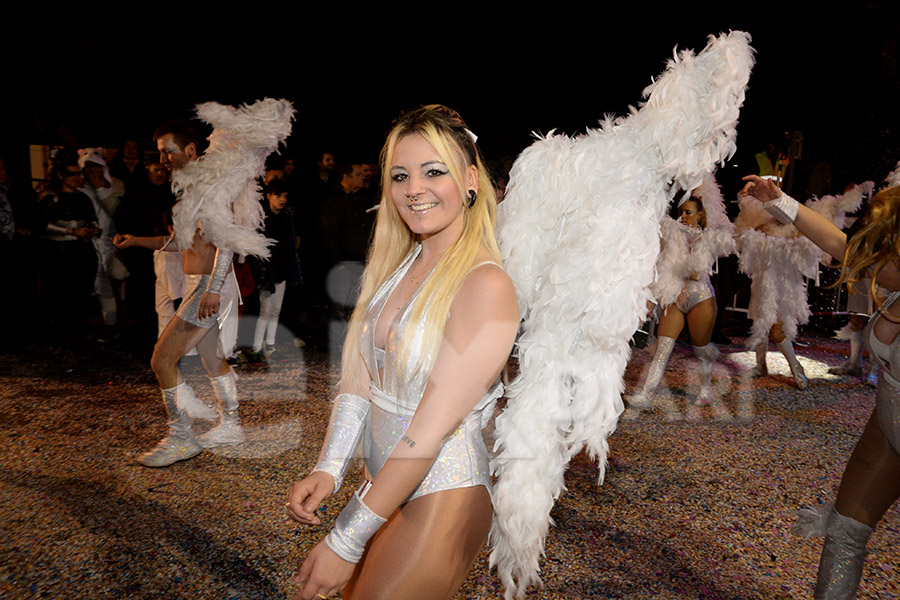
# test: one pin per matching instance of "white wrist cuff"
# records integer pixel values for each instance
(353, 529)
(784, 208)
(348, 416)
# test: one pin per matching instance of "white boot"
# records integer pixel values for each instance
(761, 369)
(644, 398)
(843, 555)
(853, 366)
(796, 368)
(707, 355)
(229, 430)
(180, 443)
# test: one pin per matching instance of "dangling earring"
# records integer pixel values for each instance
(471, 198)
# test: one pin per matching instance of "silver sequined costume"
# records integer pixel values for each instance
(195, 287)
(693, 293)
(887, 398)
(463, 459)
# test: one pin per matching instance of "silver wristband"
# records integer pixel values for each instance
(220, 270)
(348, 416)
(353, 529)
(784, 208)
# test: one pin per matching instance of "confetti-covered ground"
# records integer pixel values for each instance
(696, 503)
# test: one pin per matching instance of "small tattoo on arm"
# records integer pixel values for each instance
(408, 440)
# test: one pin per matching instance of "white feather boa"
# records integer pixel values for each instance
(893, 178)
(776, 259)
(220, 189)
(683, 251)
(579, 234)
(686, 250)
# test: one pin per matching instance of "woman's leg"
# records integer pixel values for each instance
(869, 486)
(787, 348)
(671, 321)
(265, 311)
(275, 311)
(426, 548)
(701, 320)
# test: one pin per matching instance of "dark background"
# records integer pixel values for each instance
(831, 73)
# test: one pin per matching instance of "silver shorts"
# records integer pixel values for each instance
(194, 288)
(693, 293)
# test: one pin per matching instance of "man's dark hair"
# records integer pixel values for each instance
(345, 169)
(184, 132)
(277, 187)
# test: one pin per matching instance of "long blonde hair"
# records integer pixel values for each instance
(445, 130)
(876, 242)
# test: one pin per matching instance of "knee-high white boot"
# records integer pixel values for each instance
(229, 430)
(843, 555)
(707, 355)
(644, 399)
(180, 443)
(761, 369)
(853, 365)
(787, 348)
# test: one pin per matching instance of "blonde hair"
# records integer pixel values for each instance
(876, 242)
(445, 130)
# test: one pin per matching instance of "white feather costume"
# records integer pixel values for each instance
(220, 189)
(685, 250)
(579, 235)
(777, 259)
(893, 178)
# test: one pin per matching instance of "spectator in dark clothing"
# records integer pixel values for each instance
(145, 211)
(345, 227)
(68, 259)
(274, 275)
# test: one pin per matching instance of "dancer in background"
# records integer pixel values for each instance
(871, 480)
(776, 258)
(432, 329)
(217, 213)
(688, 253)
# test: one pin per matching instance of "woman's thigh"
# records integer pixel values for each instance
(671, 322)
(871, 480)
(426, 548)
(701, 320)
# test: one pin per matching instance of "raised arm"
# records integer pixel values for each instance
(816, 227)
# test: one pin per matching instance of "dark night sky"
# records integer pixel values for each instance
(836, 81)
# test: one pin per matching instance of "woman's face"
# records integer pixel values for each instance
(690, 213)
(423, 191)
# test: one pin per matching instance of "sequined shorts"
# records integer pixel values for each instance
(693, 293)
(194, 288)
(887, 405)
(462, 462)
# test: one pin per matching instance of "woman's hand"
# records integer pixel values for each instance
(322, 573)
(209, 305)
(763, 190)
(306, 495)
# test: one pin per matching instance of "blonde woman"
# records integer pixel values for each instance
(432, 330)
(871, 480)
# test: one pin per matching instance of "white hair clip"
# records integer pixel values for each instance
(472, 135)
